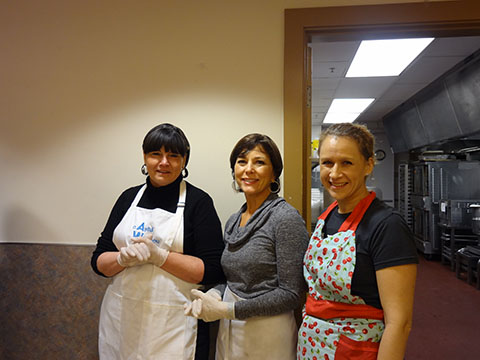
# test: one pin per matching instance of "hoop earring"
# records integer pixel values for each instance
(143, 169)
(235, 188)
(275, 187)
(184, 172)
(234, 184)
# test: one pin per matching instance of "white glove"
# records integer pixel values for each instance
(211, 308)
(158, 256)
(188, 308)
(133, 255)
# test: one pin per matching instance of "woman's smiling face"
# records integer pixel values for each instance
(343, 171)
(254, 173)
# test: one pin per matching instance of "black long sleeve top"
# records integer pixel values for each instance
(202, 227)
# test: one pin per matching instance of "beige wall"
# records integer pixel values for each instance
(83, 81)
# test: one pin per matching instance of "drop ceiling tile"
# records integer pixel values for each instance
(363, 87)
(318, 118)
(334, 51)
(318, 115)
(323, 94)
(329, 69)
(325, 84)
(439, 57)
(321, 102)
(320, 109)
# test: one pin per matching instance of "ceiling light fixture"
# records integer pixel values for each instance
(346, 110)
(385, 57)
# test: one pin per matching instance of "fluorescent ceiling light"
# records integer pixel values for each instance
(385, 57)
(346, 110)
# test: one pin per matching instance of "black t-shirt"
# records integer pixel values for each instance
(383, 239)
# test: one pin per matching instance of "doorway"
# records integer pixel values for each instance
(439, 19)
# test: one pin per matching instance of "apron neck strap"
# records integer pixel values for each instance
(356, 216)
(182, 196)
(139, 195)
(324, 215)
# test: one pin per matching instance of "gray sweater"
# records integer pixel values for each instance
(263, 260)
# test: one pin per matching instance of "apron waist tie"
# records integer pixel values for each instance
(325, 309)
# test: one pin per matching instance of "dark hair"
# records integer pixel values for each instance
(249, 142)
(359, 133)
(168, 136)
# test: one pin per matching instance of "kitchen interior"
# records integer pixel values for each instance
(50, 295)
(426, 122)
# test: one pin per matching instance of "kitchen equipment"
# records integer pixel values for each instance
(457, 213)
(453, 239)
(434, 181)
(476, 218)
(466, 261)
(404, 193)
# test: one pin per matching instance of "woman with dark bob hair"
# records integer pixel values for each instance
(265, 242)
(162, 239)
(360, 265)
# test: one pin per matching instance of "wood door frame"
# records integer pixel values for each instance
(444, 18)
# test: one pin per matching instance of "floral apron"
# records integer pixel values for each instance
(336, 324)
(142, 311)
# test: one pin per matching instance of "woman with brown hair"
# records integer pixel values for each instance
(265, 242)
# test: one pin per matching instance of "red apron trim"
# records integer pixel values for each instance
(349, 349)
(324, 215)
(356, 216)
(325, 309)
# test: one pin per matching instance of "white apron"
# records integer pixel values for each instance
(142, 311)
(256, 338)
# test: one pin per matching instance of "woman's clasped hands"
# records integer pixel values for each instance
(142, 251)
(209, 306)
